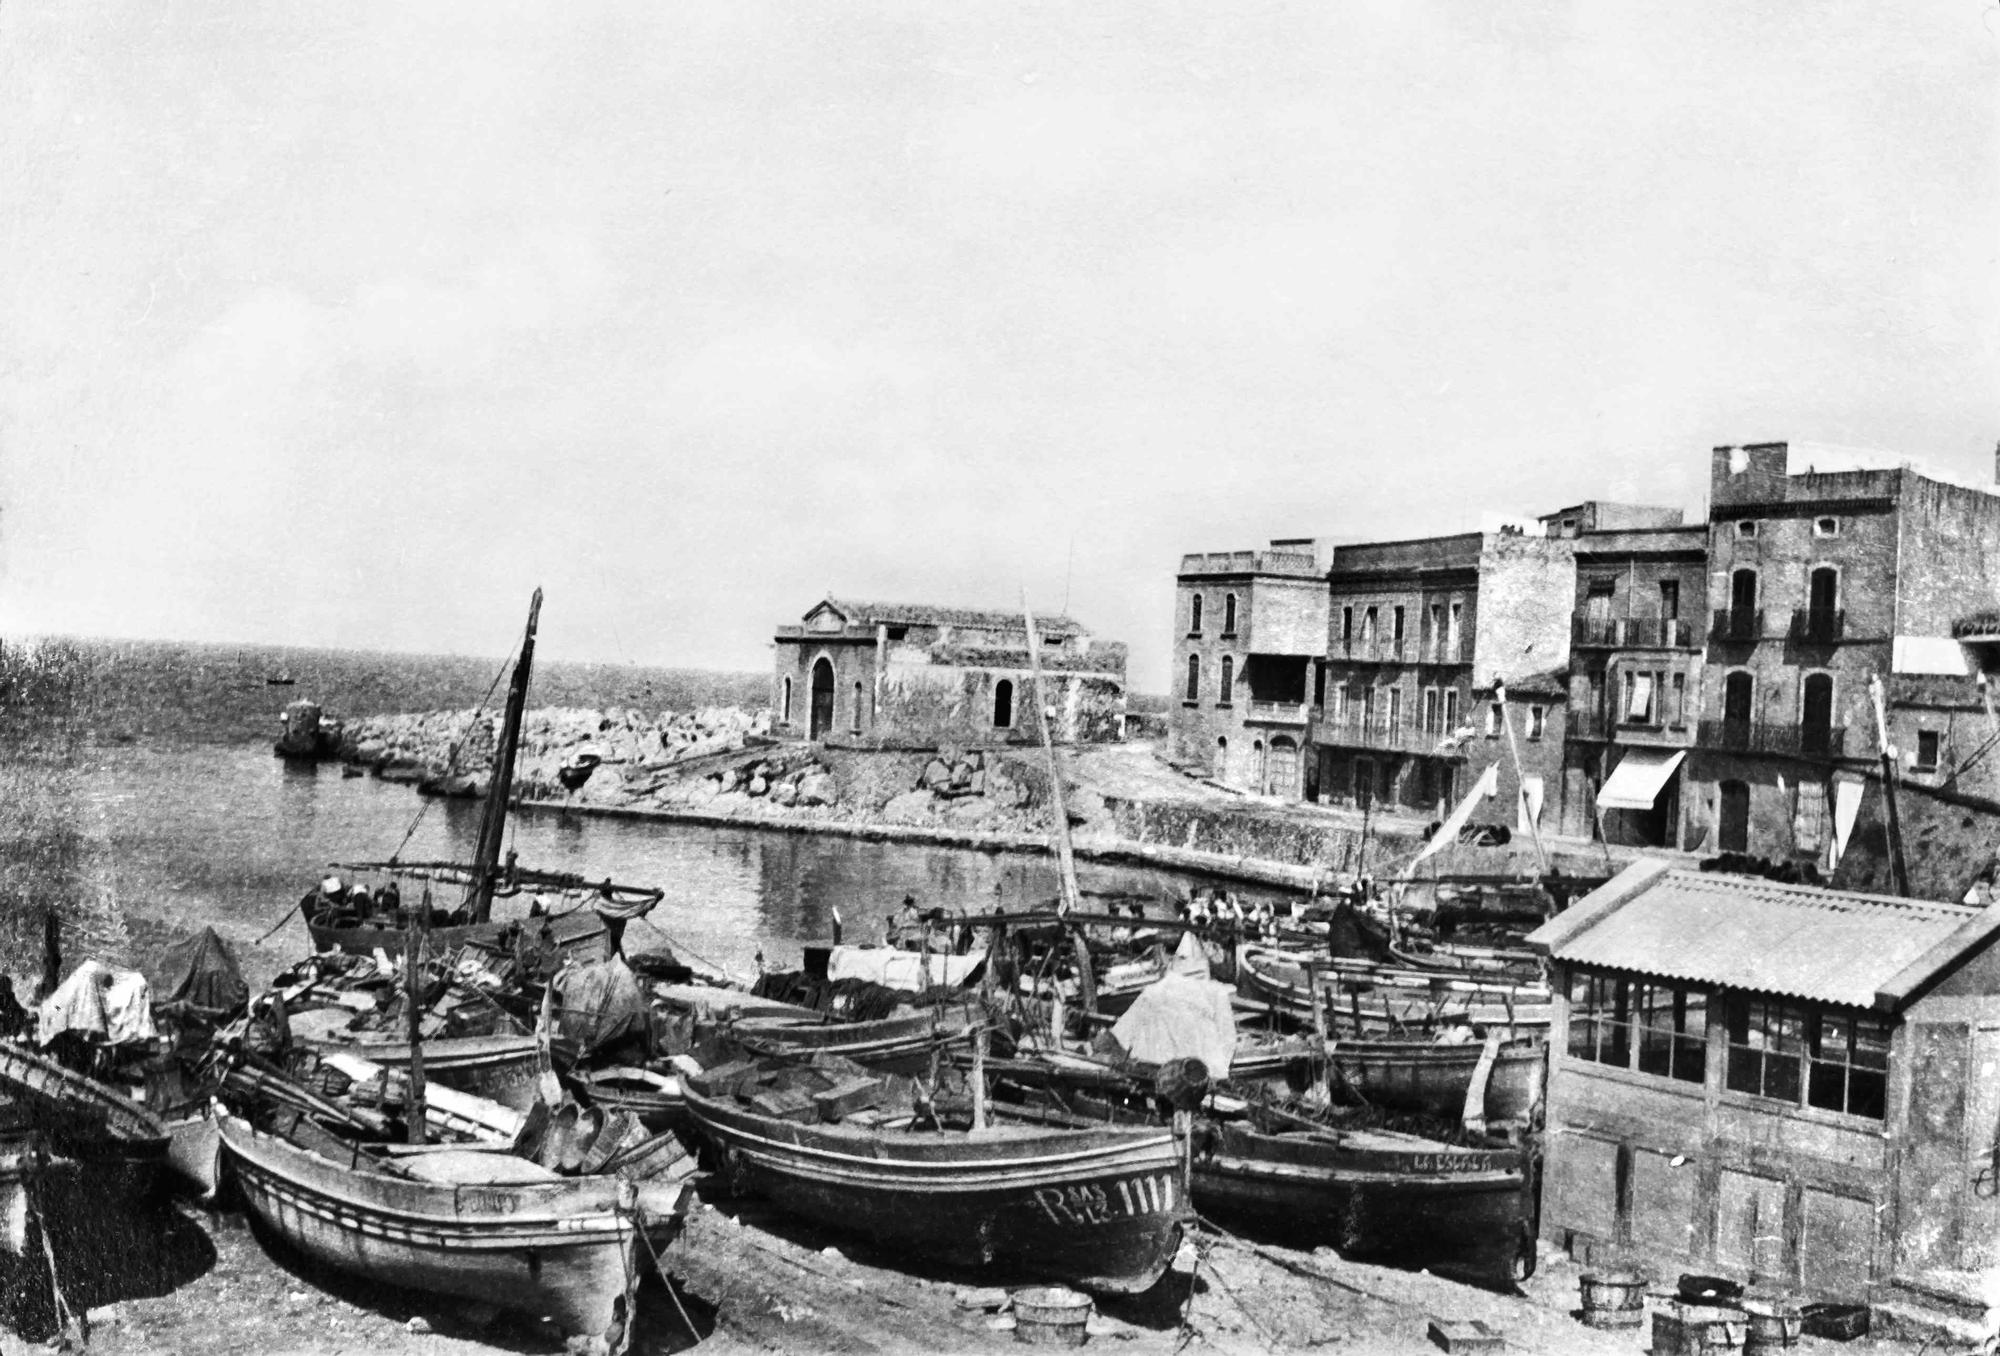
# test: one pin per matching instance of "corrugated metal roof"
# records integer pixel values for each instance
(1744, 933)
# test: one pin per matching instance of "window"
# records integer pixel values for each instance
(1492, 719)
(1395, 708)
(1677, 712)
(1225, 691)
(1193, 692)
(1437, 626)
(1656, 1028)
(1767, 1041)
(1537, 721)
(1826, 527)
(1368, 708)
(1431, 710)
(1639, 698)
(1450, 710)
(1228, 614)
(1194, 615)
(1003, 704)
(1670, 599)
(1368, 631)
(1347, 629)
(1396, 631)
(1809, 816)
(1848, 1064)
(1337, 709)
(1747, 528)
(1319, 682)
(1451, 633)
(785, 703)
(1928, 742)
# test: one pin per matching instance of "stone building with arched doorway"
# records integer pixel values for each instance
(915, 674)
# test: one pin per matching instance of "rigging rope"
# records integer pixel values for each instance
(451, 759)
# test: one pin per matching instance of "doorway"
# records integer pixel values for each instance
(822, 699)
(1732, 829)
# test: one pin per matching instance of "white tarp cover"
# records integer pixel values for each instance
(1637, 780)
(114, 1004)
(1846, 807)
(1531, 804)
(599, 1003)
(1180, 1017)
(894, 968)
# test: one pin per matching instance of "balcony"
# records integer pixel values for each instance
(1604, 728)
(1738, 625)
(1401, 737)
(1372, 651)
(1276, 713)
(1746, 736)
(1819, 625)
(1449, 652)
(1632, 633)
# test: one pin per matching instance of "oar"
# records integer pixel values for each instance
(280, 923)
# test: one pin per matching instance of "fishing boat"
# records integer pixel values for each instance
(1100, 1209)
(478, 1225)
(902, 1043)
(652, 1095)
(1375, 1196)
(82, 1118)
(1411, 1073)
(355, 923)
(1362, 1000)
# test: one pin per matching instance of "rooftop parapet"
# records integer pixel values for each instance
(1299, 564)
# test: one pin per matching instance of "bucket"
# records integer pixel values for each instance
(1683, 1329)
(1612, 1290)
(1710, 1290)
(1772, 1325)
(1051, 1316)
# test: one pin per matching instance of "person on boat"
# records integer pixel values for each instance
(389, 900)
(15, 1020)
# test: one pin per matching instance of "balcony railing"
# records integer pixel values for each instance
(1602, 727)
(1749, 736)
(1401, 737)
(1632, 633)
(1287, 713)
(1819, 625)
(1373, 651)
(1740, 624)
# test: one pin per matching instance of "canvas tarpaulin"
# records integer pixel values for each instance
(1180, 1017)
(894, 968)
(600, 1003)
(202, 970)
(97, 1000)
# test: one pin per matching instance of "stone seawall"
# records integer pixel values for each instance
(721, 767)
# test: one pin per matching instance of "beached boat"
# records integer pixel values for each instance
(1365, 1000)
(1100, 1209)
(82, 1117)
(360, 924)
(1373, 1195)
(1410, 1073)
(902, 1043)
(484, 1226)
(654, 1095)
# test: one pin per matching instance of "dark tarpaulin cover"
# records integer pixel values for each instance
(600, 1003)
(202, 970)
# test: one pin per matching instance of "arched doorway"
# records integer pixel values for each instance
(1003, 704)
(822, 699)
(1284, 767)
(1732, 827)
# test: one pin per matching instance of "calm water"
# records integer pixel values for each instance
(232, 836)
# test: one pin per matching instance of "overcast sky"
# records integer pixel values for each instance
(348, 324)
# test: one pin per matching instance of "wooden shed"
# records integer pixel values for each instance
(1775, 1082)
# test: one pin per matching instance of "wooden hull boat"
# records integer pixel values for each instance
(581, 934)
(568, 1248)
(1364, 1000)
(655, 1096)
(1374, 1196)
(1100, 1209)
(503, 1068)
(900, 1044)
(84, 1118)
(194, 1151)
(1411, 1074)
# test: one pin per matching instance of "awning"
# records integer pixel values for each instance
(1636, 782)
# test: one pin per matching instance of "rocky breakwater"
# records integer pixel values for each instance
(563, 750)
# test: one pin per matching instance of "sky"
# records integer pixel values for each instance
(351, 324)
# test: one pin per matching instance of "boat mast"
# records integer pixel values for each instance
(1086, 978)
(493, 821)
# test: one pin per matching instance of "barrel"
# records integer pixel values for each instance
(1771, 1325)
(1051, 1316)
(1613, 1299)
(1182, 1083)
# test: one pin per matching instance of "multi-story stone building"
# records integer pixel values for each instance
(917, 674)
(1636, 644)
(1417, 628)
(1819, 581)
(1249, 627)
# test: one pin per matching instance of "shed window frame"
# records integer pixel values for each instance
(1645, 1026)
(1817, 1057)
